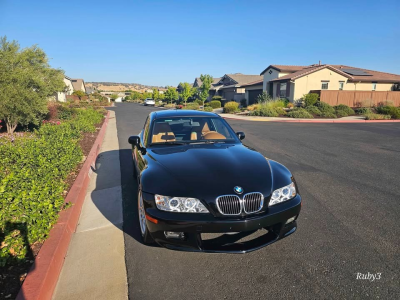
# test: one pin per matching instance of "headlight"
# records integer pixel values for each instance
(180, 204)
(283, 194)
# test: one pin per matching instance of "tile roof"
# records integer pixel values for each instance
(243, 79)
(374, 75)
(284, 68)
(77, 84)
(253, 83)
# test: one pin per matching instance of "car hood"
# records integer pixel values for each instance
(207, 171)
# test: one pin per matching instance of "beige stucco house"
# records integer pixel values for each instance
(292, 82)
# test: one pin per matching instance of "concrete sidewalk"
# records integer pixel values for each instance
(94, 267)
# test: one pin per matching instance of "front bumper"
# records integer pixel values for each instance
(273, 223)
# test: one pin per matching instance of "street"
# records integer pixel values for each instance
(349, 224)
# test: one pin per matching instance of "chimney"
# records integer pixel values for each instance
(319, 63)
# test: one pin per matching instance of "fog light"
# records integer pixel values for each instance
(290, 220)
(174, 235)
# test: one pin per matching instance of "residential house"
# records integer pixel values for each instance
(62, 96)
(292, 82)
(230, 86)
(79, 85)
(252, 91)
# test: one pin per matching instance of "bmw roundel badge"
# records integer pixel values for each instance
(238, 190)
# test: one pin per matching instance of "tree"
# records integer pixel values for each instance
(79, 94)
(155, 94)
(171, 94)
(26, 83)
(205, 87)
(187, 91)
(114, 96)
(135, 95)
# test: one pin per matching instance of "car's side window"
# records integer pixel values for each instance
(146, 131)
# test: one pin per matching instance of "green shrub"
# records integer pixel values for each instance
(313, 110)
(280, 111)
(265, 112)
(215, 104)
(217, 98)
(372, 116)
(325, 108)
(252, 107)
(65, 112)
(231, 107)
(328, 114)
(300, 113)
(341, 113)
(363, 111)
(344, 108)
(310, 99)
(208, 108)
(33, 170)
(243, 103)
(198, 101)
(394, 112)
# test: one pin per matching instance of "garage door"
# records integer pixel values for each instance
(253, 96)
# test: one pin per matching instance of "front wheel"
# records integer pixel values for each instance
(146, 237)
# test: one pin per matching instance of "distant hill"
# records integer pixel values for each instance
(120, 87)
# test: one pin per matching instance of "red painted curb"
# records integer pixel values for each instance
(43, 275)
(319, 121)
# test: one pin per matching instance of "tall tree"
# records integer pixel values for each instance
(187, 91)
(26, 83)
(171, 94)
(155, 94)
(205, 87)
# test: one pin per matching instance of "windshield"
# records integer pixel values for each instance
(191, 130)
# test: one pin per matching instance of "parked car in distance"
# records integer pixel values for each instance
(149, 101)
(201, 189)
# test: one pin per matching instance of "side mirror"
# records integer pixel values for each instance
(240, 135)
(134, 140)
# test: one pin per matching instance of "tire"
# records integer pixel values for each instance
(144, 231)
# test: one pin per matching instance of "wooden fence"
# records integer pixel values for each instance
(359, 98)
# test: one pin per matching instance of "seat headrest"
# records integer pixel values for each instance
(161, 127)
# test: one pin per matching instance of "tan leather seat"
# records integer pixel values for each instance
(212, 135)
(162, 133)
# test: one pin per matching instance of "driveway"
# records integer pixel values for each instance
(348, 175)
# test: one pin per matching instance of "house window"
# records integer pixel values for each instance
(324, 85)
(341, 85)
(270, 72)
(374, 86)
(283, 90)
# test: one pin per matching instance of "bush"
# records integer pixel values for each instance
(289, 105)
(310, 99)
(363, 111)
(231, 107)
(300, 113)
(217, 98)
(215, 104)
(252, 107)
(209, 109)
(169, 105)
(32, 174)
(65, 112)
(341, 113)
(243, 103)
(313, 110)
(325, 108)
(392, 111)
(265, 112)
(344, 108)
(198, 101)
(280, 111)
(372, 116)
(330, 115)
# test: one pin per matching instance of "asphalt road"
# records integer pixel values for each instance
(348, 176)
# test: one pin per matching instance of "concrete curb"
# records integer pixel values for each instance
(316, 121)
(43, 275)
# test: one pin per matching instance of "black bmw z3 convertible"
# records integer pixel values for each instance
(201, 189)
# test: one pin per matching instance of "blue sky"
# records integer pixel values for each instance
(165, 42)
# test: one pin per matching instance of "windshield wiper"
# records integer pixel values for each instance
(167, 143)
